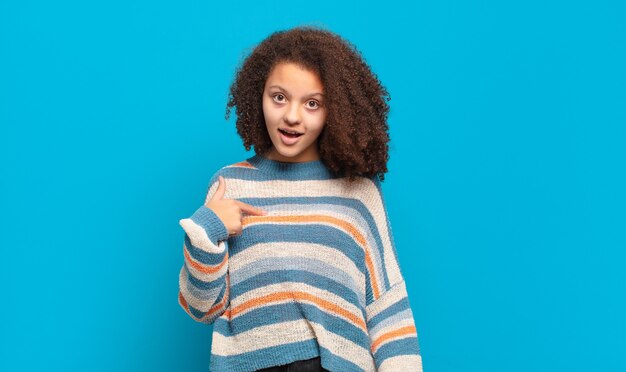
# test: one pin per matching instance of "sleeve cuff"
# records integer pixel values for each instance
(214, 227)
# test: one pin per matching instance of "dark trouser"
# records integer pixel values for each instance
(309, 365)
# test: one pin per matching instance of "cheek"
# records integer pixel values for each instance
(270, 113)
(316, 131)
(265, 108)
(320, 122)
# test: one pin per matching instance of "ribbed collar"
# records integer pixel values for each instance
(314, 169)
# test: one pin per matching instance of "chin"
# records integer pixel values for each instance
(288, 153)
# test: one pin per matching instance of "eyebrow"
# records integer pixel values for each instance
(308, 95)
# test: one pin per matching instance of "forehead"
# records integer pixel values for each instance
(292, 76)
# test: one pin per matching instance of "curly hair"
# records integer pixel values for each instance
(354, 141)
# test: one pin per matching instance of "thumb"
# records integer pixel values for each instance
(221, 189)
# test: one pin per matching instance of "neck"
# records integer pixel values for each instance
(306, 156)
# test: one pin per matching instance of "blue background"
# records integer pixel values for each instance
(506, 190)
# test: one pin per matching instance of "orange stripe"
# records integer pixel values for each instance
(207, 269)
(328, 219)
(182, 301)
(280, 296)
(408, 330)
(214, 309)
(244, 164)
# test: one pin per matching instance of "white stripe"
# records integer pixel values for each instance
(411, 363)
(262, 337)
(198, 237)
(291, 332)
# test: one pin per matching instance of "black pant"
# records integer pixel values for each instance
(309, 365)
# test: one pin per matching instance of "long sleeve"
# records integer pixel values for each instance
(390, 322)
(203, 280)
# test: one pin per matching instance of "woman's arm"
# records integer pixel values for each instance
(392, 332)
(203, 279)
(390, 322)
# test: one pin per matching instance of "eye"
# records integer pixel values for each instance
(278, 97)
(314, 105)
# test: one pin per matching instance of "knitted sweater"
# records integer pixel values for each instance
(316, 276)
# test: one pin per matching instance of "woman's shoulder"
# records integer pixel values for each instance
(361, 188)
(235, 173)
(233, 168)
(363, 183)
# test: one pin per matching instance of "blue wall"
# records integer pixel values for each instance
(506, 191)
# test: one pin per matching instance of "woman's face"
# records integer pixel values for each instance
(294, 111)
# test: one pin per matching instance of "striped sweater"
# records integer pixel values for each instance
(316, 276)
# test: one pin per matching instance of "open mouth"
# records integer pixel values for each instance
(290, 134)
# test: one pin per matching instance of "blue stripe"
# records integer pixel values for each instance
(202, 255)
(311, 265)
(397, 307)
(201, 294)
(201, 284)
(280, 313)
(199, 314)
(297, 276)
(399, 317)
(301, 233)
(404, 346)
(299, 172)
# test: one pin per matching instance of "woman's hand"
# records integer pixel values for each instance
(230, 211)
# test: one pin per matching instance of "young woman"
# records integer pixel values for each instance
(292, 256)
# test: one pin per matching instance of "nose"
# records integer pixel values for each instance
(292, 114)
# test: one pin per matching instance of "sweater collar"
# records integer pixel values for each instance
(314, 169)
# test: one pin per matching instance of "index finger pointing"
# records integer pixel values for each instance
(250, 209)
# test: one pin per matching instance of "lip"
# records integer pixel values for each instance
(288, 140)
(289, 130)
